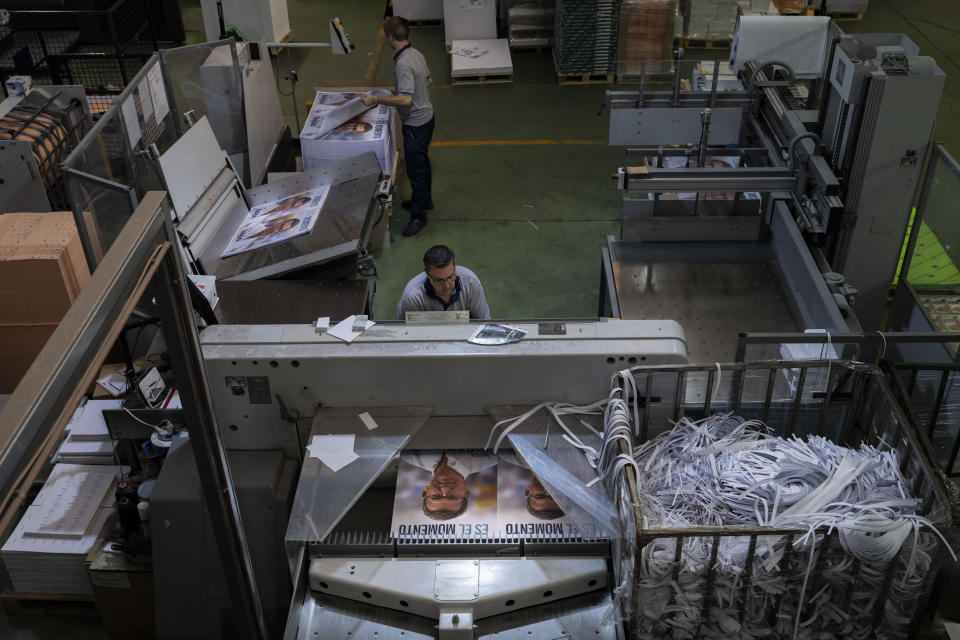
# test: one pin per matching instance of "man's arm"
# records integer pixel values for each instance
(390, 101)
(405, 90)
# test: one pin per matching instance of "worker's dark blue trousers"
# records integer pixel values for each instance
(416, 144)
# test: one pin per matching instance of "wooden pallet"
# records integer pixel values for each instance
(64, 604)
(535, 49)
(585, 78)
(849, 16)
(702, 43)
(839, 16)
(481, 78)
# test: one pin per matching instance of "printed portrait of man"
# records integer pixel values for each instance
(540, 504)
(288, 204)
(276, 226)
(355, 126)
(446, 495)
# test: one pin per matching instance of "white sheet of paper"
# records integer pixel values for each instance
(158, 92)
(368, 421)
(335, 451)
(344, 330)
(338, 462)
(115, 383)
(129, 110)
(146, 101)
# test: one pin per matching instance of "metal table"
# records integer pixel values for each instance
(291, 301)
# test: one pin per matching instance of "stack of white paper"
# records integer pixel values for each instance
(469, 19)
(471, 57)
(340, 127)
(88, 441)
(46, 551)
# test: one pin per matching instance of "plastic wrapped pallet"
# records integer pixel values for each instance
(646, 33)
(585, 36)
(530, 22)
(706, 20)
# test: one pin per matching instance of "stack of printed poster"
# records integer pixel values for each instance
(340, 126)
(277, 221)
(46, 551)
(475, 494)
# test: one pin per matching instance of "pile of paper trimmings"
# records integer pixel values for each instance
(857, 567)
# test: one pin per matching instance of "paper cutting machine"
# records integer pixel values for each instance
(275, 387)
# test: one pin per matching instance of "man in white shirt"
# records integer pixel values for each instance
(446, 496)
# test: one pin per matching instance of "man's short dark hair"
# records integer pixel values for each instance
(543, 514)
(397, 28)
(445, 514)
(437, 257)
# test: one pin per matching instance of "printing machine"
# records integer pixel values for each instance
(831, 132)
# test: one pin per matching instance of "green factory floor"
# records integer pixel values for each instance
(521, 171)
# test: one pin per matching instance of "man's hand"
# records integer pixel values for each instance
(369, 99)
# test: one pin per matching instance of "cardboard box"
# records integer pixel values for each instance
(42, 267)
(18, 86)
(20, 345)
(42, 271)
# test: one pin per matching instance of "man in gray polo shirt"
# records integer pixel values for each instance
(444, 286)
(412, 101)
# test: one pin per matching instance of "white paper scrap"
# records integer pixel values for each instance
(129, 110)
(338, 462)
(115, 383)
(158, 92)
(335, 451)
(322, 324)
(146, 100)
(344, 329)
(368, 421)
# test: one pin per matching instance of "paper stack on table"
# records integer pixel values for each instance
(88, 441)
(471, 57)
(46, 551)
(339, 126)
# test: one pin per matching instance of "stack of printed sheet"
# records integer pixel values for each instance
(88, 441)
(480, 57)
(585, 36)
(46, 551)
(340, 126)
